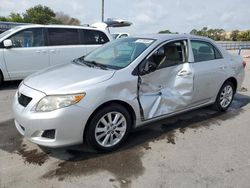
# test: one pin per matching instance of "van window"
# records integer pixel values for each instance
(28, 38)
(63, 36)
(94, 37)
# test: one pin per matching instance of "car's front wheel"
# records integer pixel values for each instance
(1, 78)
(225, 96)
(108, 128)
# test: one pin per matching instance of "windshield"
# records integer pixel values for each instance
(119, 53)
(8, 31)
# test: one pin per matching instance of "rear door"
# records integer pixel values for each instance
(28, 53)
(170, 87)
(210, 71)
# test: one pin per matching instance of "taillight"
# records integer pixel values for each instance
(244, 64)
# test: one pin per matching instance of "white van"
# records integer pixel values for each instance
(29, 48)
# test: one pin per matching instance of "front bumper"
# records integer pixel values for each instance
(67, 123)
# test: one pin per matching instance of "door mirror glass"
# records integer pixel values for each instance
(147, 67)
(7, 43)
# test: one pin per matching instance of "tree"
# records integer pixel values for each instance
(193, 32)
(40, 15)
(66, 19)
(234, 35)
(244, 36)
(215, 34)
(4, 19)
(15, 17)
(167, 32)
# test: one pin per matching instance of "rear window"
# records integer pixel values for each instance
(63, 36)
(93, 37)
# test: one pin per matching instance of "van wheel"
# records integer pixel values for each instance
(108, 128)
(225, 96)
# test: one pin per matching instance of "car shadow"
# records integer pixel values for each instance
(163, 129)
(10, 85)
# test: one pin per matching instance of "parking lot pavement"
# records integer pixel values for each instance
(202, 148)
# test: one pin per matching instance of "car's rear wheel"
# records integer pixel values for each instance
(108, 128)
(225, 96)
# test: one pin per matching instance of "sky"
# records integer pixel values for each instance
(149, 16)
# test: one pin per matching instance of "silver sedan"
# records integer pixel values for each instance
(122, 85)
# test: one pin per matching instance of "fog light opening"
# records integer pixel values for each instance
(49, 134)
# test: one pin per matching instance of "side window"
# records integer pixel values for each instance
(94, 37)
(204, 51)
(28, 38)
(63, 36)
(217, 54)
(170, 54)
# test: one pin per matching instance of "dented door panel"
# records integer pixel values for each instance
(166, 90)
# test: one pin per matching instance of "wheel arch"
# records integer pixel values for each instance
(1, 76)
(127, 106)
(233, 81)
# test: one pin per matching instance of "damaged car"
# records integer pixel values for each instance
(127, 83)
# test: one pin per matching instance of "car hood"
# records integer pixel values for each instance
(65, 79)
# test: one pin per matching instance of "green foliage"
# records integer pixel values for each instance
(215, 34)
(38, 14)
(4, 19)
(15, 17)
(244, 36)
(167, 32)
(234, 35)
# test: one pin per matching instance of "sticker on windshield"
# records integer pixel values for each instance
(145, 41)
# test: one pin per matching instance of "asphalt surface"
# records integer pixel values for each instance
(201, 148)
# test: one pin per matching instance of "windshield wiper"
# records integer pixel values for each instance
(81, 61)
(94, 63)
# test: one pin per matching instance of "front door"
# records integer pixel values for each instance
(169, 87)
(28, 53)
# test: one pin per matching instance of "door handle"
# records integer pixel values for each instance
(184, 73)
(38, 51)
(53, 51)
(222, 67)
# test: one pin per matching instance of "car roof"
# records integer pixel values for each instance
(57, 26)
(164, 37)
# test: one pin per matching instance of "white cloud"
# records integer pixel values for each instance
(143, 19)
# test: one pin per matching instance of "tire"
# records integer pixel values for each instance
(1, 78)
(224, 97)
(104, 135)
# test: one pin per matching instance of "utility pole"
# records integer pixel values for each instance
(102, 10)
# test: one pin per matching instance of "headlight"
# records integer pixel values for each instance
(50, 103)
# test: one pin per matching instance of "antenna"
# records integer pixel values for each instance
(102, 10)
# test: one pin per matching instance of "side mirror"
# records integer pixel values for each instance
(147, 67)
(7, 43)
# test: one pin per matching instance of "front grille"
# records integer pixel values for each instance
(23, 99)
